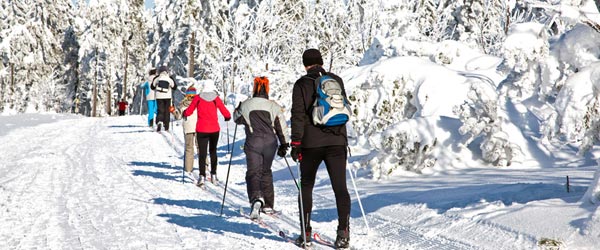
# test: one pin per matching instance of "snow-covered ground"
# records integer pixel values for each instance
(451, 148)
(72, 182)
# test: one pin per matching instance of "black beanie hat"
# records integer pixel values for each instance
(312, 57)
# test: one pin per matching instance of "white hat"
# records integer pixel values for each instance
(208, 85)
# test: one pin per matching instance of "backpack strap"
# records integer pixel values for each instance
(314, 95)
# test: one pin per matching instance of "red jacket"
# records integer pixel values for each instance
(123, 105)
(207, 106)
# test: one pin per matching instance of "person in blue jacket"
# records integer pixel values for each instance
(150, 98)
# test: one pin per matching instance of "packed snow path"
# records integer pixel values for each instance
(112, 183)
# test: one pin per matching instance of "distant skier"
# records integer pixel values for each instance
(189, 130)
(163, 84)
(264, 124)
(150, 98)
(122, 106)
(207, 127)
(312, 145)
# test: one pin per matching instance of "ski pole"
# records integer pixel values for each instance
(227, 126)
(291, 173)
(362, 210)
(301, 206)
(172, 141)
(184, 157)
(228, 169)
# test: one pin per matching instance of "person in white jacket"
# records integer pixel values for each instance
(162, 85)
(189, 130)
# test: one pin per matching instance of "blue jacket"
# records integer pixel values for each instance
(148, 91)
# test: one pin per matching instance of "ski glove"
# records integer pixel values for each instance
(282, 150)
(296, 152)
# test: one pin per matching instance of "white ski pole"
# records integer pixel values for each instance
(171, 127)
(301, 205)
(358, 197)
(172, 143)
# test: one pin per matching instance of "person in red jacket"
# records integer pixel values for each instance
(207, 127)
(122, 107)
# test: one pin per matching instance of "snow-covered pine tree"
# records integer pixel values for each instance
(494, 26)
(176, 20)
(4, 65)
(70, 46)
(591, 124)
(480, 117)
(481, 24)
(31, 50)
(379, 125)
(468, 15)
(87, 50)
(101, 54)
(371, 118)
(427, 17)
(364, 22)
(330, 32)
(167, 37)
(234, 47)
(216, 28)
(523, 54)
(592, 195)
(135, 44)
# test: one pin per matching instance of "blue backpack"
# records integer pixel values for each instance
(330, 107)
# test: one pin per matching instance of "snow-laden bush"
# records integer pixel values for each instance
(480, 118)
(380, 103)
(591, 119)
(571, 53)
(401, 149)
(382, 111)
(573, 72)
(592, 195)
(524, 48)
(574, 116)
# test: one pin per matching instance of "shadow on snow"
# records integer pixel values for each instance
(211, 222)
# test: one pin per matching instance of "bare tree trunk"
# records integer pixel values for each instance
(108, 95)
(507, 24)
(11, 93)
(12, 79)
(95, 92)
(191, 56)
(124, 95)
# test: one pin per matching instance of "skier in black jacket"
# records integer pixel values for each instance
(264, 125)
(312, 145)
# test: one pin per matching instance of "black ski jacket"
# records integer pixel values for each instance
(303, 128)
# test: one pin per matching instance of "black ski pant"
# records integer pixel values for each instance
(163, 114)
(260, 152)
(335, 162)
(207, 140)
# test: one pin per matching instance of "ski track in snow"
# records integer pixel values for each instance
(112, 183)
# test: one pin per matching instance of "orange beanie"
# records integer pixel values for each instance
(260, 83)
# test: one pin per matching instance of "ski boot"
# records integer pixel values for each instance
(300, 240)
(342, 241)
(256, 205)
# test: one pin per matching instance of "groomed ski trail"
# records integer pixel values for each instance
(113, 183)
(387, 232)
(107, 183)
